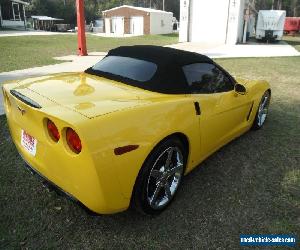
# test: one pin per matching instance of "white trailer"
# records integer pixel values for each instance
(270, 25)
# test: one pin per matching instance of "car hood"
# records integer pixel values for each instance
(88, 95)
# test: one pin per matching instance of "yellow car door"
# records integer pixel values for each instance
(223, 117)
(232, 112)
(222, 111)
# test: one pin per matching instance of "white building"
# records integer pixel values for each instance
(137, 21)
(212, 21)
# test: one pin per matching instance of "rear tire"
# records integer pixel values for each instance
(262, 111)
(160, 177)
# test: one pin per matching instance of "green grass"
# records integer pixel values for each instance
(293, 40)
(31, 51)
(249, 186)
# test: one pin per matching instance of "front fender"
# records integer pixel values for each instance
(255, 90)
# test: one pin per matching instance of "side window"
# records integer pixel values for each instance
(206, 78)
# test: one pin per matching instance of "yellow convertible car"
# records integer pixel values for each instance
(127, 130)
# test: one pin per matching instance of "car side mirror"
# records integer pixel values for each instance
(240, 89)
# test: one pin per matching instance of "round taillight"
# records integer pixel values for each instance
(73, 141)
(53, 131)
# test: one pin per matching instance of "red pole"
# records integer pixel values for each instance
(81, 28)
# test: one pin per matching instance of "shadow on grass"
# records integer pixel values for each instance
(293, 43)
(170, 35)
(242, 188)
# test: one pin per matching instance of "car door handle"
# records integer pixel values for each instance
(197, 108)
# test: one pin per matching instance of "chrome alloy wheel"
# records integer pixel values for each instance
(165, 177)
(263, 109)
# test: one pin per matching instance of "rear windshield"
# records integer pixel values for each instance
(127, 67)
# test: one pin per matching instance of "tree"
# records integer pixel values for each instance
(55, 8)
(291, 7)
(93, 8)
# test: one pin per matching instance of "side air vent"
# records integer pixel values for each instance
(25, 99)
(250, 111)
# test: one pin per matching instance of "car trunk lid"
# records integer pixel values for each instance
(88, 95)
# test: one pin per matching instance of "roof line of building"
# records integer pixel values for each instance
(46, 18)
(19, 1)
(137, 8)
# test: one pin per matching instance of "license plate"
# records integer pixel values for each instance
(28, 142)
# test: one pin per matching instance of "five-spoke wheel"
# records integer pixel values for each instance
(262, 111)
(160, 177)
(165, 177)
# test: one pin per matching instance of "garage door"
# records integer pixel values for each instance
(107, 25)
(137, 25)
(117, 25)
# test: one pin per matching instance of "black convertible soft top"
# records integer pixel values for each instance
(169, 77)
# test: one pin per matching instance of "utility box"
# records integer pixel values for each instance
(213, 22)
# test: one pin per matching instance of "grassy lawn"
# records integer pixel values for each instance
(251, 186)
(31, 51)
(293, 40)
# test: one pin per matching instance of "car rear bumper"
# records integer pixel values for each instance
(47, 182)
(53, 187)
(101, 203)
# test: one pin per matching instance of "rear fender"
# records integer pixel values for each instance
(143, 126)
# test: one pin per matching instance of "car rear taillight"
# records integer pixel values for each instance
(73, 141)
(53, 131)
